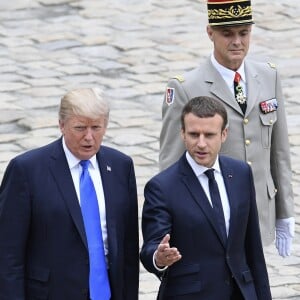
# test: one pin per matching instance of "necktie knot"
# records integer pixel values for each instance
(210, 174)
(85, 164)
(237, 77)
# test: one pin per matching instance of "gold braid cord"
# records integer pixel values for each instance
(232, 12)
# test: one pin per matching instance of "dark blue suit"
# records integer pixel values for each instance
(43, 247)
(175, 203)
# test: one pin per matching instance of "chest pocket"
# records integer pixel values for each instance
(267, 122)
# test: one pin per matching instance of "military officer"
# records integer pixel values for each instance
(252, 94)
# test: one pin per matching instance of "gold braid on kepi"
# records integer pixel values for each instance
(229, 13)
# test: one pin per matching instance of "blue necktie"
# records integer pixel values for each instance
(98, 280)
(216, 202)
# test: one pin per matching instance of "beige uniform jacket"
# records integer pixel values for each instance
(261, 139)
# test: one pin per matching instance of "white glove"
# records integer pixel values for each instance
(284, 235)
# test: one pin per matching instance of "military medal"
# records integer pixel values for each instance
(268, 106)
(239, 95)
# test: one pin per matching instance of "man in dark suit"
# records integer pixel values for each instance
(45, 252)
(202, 248)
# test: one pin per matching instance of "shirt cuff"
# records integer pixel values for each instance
(155, 266)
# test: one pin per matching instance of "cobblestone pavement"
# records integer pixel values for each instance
(130, 48)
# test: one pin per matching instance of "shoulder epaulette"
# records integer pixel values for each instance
(180, 78)
(272, 65)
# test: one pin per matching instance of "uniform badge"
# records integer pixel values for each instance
(180, 78)
(170, 95)
(273, 66)
(268, 106)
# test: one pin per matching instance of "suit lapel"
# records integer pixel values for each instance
(193, 185)
(62, 176)
(253, 87)
(107, 170)
(228, 177)
(219, 87)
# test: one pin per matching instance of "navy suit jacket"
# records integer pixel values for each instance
(175, 203)
(43, 246)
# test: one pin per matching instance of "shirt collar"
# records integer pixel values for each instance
(227, 74)
(199, 169)
(72, 160)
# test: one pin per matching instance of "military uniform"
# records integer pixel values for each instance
(259, 136)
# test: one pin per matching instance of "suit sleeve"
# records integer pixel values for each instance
(14, 227)
(280, 160)
(171, 145)
(254, 249)
(156, 223)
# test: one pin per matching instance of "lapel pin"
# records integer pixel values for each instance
(108, 168)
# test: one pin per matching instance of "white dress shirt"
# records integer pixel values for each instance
(76, 169)
(203, 179)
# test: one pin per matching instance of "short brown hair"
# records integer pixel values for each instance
(204, 107)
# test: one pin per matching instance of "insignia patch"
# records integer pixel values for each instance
(170, 95)
(268, 105)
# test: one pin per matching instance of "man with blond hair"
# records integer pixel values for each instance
(68, 213)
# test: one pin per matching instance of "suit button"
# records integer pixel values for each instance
(247, 142)
(271, 122)
(246, 121)
(249, 162)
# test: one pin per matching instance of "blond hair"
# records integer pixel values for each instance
(85, 102)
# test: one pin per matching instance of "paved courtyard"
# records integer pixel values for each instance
(130, 48)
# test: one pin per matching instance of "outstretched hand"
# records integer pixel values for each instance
(166, 255)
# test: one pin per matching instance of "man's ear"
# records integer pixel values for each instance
(182, 134)
(61, 126)
(224, 134)
(209, 32)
